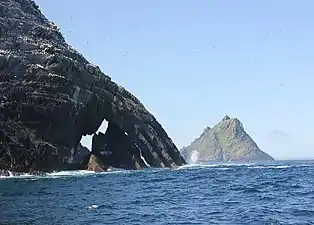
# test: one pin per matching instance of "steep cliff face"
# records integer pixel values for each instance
(226, 141)
(50, 96)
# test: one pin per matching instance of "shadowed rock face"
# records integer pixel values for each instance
(50, 96)
(226, 141)
(115, 149)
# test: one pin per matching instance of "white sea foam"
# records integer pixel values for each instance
(112, 171)
(71, 173)
(220, 165)
(225, 166)
(197, 166)
(75, 173)
(11, 175)
(65, 174)
(194, 157)
(304, 165)
(270, 167)
(92, 207)
(189, 166)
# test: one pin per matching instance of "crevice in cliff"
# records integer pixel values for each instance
(143, 158)
(141, 154)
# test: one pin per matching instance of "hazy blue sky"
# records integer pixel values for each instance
(192, 62)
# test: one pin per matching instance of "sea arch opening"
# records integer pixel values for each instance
(87, 140)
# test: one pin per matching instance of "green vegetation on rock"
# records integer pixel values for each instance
(226, 141)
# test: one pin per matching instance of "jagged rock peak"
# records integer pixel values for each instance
(206, 129)
(226, 141)
(230, 122)
(226, 117)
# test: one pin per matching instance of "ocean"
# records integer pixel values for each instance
(274, 193)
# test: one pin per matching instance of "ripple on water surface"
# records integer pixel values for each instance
(273, 193)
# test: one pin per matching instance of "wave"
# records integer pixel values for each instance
(218, 165)
(271, 167)
(73, 173)
(225, 166)
(92, 207)
(9, 176)
(280, 166)
(57, 174)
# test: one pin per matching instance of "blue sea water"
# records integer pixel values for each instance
(273, 193)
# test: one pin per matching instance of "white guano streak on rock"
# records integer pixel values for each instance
(76, 94)
(142, 157)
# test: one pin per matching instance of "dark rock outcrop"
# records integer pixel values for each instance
(50, 96)
(226, 141)
(81, 157)
(115, 149)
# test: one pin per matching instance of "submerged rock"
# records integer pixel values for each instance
(226, 141)
(50, 96)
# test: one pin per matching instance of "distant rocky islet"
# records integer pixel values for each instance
(227, 141)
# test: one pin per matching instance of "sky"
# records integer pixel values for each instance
(192, 62)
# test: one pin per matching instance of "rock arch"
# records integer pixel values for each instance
(51, 96)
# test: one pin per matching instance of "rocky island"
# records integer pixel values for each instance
(51, 96)
(227, 141)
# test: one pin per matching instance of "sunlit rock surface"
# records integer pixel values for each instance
(50, 96)
(226, 141)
